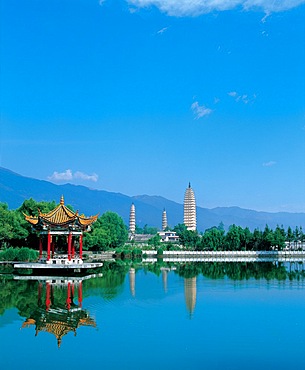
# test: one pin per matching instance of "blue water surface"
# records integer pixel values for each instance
(169, 322)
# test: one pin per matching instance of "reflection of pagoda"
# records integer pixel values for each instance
(132, 281)
(165, 271)
(190, 291)
(59, 318)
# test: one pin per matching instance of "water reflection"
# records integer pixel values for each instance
(132, 281)
(164, 277)
(55, 306)
(57, 312)
(190, 293)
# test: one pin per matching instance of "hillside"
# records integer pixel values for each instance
(14, 189)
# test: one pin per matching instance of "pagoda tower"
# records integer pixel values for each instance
(132, 219)
(189, 207)
(164, 220)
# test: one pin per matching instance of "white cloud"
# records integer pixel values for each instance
(180, 8)
(69, 176)
(160, 32)
(200, 110)
(61, 176)
(245, 98)
(269, 164)
(84, 176)
(264, 19)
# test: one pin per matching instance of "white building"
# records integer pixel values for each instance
(168, 236)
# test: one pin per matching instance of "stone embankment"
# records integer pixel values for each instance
(228, 256)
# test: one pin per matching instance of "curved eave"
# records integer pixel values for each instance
(83, 221)
(31, 219)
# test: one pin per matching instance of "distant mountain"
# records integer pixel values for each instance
(14, 189)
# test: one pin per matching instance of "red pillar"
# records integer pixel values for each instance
(81, 246)
(53, 247)
(73, 246)
(68, 301)
(69, 246)
(48, 301)
(49, 245)
(40, 247)
(80, 294)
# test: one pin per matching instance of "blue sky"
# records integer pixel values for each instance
(143, 96)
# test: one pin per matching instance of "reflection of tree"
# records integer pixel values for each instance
(111, 284)
(240, 271)
(189, 270)
(19, 294)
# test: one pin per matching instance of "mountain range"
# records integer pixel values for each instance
(14, 189)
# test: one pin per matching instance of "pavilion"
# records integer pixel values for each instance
(61, 221)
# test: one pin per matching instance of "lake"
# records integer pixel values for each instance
(157, 316)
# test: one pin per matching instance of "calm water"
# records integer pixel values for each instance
(158, 318)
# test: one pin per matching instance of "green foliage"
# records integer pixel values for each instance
(31, 207)
(155, 240)
(9, 254)
(190, 239)
(180, 229)
(27, 254)
(18, 254)
(211, 240)
(12, 227)
(160, 252)
(238, 238)
(109, 231)
(146, 230)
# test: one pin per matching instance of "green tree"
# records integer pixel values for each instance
(12, 231)
(109, 231)
(268, 239)
(233, 238)
(211, 240)
(180, 229)
(31, 207)
(296, 236)
(190, 239)
(150, 230)
(289, 236)
(155, 240)
(279, 238)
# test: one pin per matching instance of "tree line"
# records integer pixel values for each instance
(238, 238)
(109, 231)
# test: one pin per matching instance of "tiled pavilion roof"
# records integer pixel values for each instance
(61, 216)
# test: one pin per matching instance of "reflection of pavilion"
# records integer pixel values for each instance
(56, 312)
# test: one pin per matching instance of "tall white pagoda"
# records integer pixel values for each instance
(164, 220)
(189, 207)
(132, 220)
